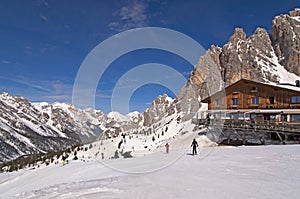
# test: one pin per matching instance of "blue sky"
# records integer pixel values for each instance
(44, 42)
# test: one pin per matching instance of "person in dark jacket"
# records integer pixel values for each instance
(194, 145)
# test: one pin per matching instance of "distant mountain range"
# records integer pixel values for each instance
(40, 127)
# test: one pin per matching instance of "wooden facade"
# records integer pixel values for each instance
(247, 94)
(259, 102)
(254, 112)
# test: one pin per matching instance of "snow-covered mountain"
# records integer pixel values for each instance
(30, 128)
(116, 123)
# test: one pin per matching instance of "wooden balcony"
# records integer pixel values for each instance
(234, 106)
(254, 105)
(296, 105)
(270, 105)
(235, 92)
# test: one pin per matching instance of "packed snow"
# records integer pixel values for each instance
(219, 172)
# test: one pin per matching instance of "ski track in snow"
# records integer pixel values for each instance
(226, 172)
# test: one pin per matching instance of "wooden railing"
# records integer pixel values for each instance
(288, 127)
(293, 128)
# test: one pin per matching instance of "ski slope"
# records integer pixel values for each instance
(243, 172)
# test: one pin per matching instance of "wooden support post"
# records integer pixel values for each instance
(263, 142)
(280, 137)
(285, 137)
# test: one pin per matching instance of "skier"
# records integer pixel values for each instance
(119, 145)
(194, 145)
(63, 160)
(124, 136)
(167, 146)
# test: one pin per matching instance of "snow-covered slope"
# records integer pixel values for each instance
(30, 128)
(243, 172)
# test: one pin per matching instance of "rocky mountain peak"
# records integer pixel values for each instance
(260, 57)
(260, 40)
(295, 12)
(262, 33)
(238, 34)
(159, 108)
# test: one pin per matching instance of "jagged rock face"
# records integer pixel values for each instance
(160, 107)
(286, 38)
(204, 80)
(243, 57)
(250, 58)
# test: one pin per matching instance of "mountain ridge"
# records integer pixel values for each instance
(39, 127)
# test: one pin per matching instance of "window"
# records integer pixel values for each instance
(255, 100)
(235, 101)
(295, 99)
(295, 118)
(272, 100)
(219, 102)
(254, 89)
(234, 116)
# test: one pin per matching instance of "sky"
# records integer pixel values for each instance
(43, 43)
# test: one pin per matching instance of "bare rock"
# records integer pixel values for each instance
(286, 40)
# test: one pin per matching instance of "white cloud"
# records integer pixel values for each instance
(24, 81)
(44, 90)
(5, 62)
(44, 18)
(132, 15)
(58, 91)
(50, 98)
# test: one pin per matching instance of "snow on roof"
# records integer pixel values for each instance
(285, 86)
(282, 85)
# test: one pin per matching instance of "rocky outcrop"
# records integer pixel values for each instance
(248, 58)
(259, 57)
(244, 57)
(286, 40)
(204, 80)
(160, 107)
